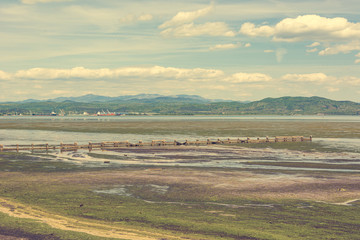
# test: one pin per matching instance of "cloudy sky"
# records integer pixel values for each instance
(224, 49)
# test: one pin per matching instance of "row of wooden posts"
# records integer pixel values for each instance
(125, 144)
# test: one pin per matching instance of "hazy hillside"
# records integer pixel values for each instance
(302, 105)
(91, 98)
(182, 104)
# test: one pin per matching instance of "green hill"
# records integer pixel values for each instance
(189, 105)
(302, 105)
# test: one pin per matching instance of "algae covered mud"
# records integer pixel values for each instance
(304, 190)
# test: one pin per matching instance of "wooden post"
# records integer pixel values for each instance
(186, 142)
(32, 147)
(310, 138)
(102, 146)
(1, 148)
(302, 139)
(208, 141)
(75, 146)
(17, 147)
(247, 140)
(47, 146)
(61, 147)
(267, 139)
(90, 147)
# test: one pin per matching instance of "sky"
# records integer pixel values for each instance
(226, 49)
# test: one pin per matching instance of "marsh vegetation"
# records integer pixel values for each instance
(298, 191)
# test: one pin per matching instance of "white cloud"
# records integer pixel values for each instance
(357, 60)
(280, 53)
(43, 82)
(182, 25)
(355, 81)
(248, 45)
(332, 89)
(269, 51)
(304, 28)
(131, 18)
(191, 29)
(315, 44)
(59, 92)
(225, 46)
(312, 50)
(248, 78)
(21, 92)
(342, 48)
(250, 30)
(186, 17)
(145, 17)
(216, 87)
(84, 73)
(42, 1)
(48, 73)
(311, 77)
(4, 75)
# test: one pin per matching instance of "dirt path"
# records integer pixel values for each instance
(68, 224)
(349, 202)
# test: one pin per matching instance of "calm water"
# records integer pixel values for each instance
(179, 118)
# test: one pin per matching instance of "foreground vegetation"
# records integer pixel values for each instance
(48, 196)
(166, 203)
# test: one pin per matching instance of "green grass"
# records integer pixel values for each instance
(193, 210)
(185, 209)
(286, 220)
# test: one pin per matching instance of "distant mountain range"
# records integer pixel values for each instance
(181, 105)
(90, 98)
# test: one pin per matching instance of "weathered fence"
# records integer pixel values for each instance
(126, 144)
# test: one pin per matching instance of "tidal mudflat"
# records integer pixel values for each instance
(263, 191)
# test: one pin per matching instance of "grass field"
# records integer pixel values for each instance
(171, 203)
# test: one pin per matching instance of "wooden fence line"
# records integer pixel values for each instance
(63, 147)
